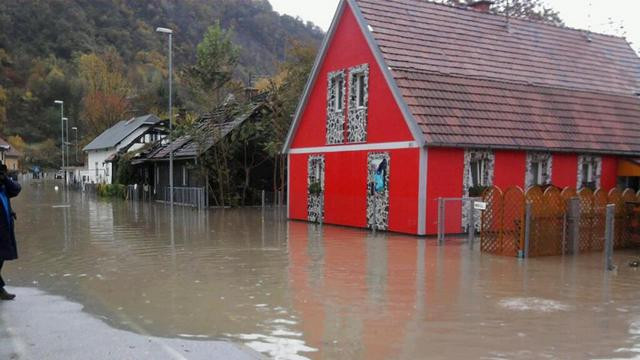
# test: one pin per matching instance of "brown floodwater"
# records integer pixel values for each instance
(292, 290)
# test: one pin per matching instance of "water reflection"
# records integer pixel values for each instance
(295, 290)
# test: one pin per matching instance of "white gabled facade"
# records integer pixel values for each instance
(99, 168)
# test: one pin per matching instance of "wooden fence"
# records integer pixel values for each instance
(559, 222)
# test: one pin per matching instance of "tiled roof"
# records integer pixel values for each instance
(454, 110)
(470, 80)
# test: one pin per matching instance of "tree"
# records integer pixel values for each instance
(284, 92)
(527, 9)
(216, 61)
(107, 91)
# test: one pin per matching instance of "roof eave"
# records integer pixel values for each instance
(533, 148)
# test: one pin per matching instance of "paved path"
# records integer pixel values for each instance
(41, 326)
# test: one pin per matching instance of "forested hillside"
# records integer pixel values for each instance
(100, 55)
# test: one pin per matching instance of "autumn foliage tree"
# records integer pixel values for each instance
(107, 91)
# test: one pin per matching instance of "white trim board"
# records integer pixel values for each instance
(422, 192)
(357, 147)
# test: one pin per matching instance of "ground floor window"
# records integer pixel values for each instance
(379, 166)
(589, 171)
(315, 188)
(478, 171)
(539, 166)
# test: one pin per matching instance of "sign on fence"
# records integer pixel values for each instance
(480, 205)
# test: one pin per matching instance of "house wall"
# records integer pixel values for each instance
(345, 192)
(510, 168)
(102, 173)
(446, 168)
(349, 48)
(565, 170)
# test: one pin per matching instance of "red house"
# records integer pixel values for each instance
(410, 101)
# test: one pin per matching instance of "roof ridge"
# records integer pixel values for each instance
(468, 9)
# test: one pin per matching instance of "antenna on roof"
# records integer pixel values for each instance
(506, 10)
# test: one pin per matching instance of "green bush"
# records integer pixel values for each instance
(112, 190)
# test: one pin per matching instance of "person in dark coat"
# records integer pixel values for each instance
(8, 248)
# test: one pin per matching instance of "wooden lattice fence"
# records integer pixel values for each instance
(550, 228)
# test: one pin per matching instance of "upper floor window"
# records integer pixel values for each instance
(337, 89)
(358, 103)
(360, 90)
(335, 107)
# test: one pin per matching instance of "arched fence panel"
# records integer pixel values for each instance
(491, 226)
(513, 221)
(502, 230)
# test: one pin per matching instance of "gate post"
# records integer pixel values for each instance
(527, 229)
(441, 226)
(608, 237)
(574, 223)
(472, 223)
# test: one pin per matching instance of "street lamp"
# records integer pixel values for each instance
(66, 144)
(170, 33)
(75, 129)
(62, 118)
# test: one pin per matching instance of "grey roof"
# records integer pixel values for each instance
(118, 132)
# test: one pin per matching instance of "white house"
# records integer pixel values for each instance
(125, 136)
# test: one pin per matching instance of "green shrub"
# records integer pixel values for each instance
(112, 190)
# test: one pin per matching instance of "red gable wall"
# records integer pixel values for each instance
(349, 48)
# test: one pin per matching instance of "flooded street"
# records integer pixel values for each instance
(291, 290)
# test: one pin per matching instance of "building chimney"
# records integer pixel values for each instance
(481, 5)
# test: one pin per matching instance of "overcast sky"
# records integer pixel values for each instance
(618, 17)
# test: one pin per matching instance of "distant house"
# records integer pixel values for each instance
(9, 156)
(410, 101)
(125, 136)
(153, 163)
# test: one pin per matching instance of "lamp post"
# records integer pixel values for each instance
(66, 148)
(75, 129)
(170, 33)
(61, 103)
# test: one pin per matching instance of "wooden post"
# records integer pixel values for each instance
(608, 237)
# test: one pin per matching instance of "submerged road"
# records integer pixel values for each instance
(41, 326)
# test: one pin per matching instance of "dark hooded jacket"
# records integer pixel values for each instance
(8, 248)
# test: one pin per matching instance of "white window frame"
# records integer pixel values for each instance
(338, 85)
(360, 86)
